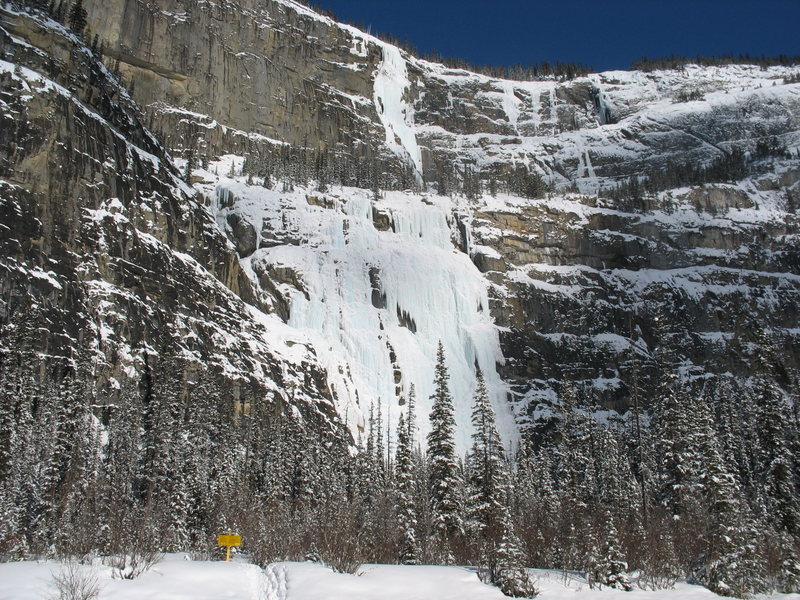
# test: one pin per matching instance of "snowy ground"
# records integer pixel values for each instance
(177, 578)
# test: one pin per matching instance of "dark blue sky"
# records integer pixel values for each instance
(604, 34)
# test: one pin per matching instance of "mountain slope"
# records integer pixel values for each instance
(668, 222)
(107, 251)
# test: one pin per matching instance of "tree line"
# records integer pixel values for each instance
(729, 167)
(679, 62)
(65, 12)
(702, 484)
(284, 167)
(518, 72)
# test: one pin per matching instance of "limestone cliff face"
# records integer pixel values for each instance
(579, 285)
(232, 73)
(595, 295)
(107, 253)
(248, 70)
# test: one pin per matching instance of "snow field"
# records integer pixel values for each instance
(309, 581)
(177, 578)
(174, 578)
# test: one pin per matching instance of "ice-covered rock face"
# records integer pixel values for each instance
(592, 132)
(375, 304)
(391, 88)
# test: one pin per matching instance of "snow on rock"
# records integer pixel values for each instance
(626, 119)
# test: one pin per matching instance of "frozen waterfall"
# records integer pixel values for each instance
(375, 304)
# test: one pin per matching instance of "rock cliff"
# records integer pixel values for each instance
(108, 254)
(663, 229)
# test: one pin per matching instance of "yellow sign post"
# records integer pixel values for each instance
(229, 541)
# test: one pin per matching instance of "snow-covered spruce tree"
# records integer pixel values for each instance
(380, 450)
(535, 505)
(776, 460)
(191, 165)
(70, 464)
(572, 443)
(789, 575)
(7, 419)
(420, 489)
(736, 413)
(445, 480)
(275, 483)
(509, 574)
(733, 563)
(487, 470)
(79, 506)
(677, 449)
(682, 435)
(489, 518)
(574, 452)
(617, 489)
(303, 471)
(375, 494)
(609, 565)
(121, 455)
(177, 498)
(12, 409)
(206, 417)
(404, 503)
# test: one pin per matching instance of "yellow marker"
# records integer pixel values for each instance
(229, 541)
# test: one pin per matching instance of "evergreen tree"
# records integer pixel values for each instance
(191, 164)
(574, 453)
(406, 511)
(58, 12)
(734, 565)
(380, 449)
(411, 418)
(610, 566)
(486, 466)
(789, 576)
(78, 17)
(37, 4)
(536, 506)
(444, 477)
(487, 506)
(776, 460)
(617, 488)
(121, 455)
(679, 449)
(508, 572)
